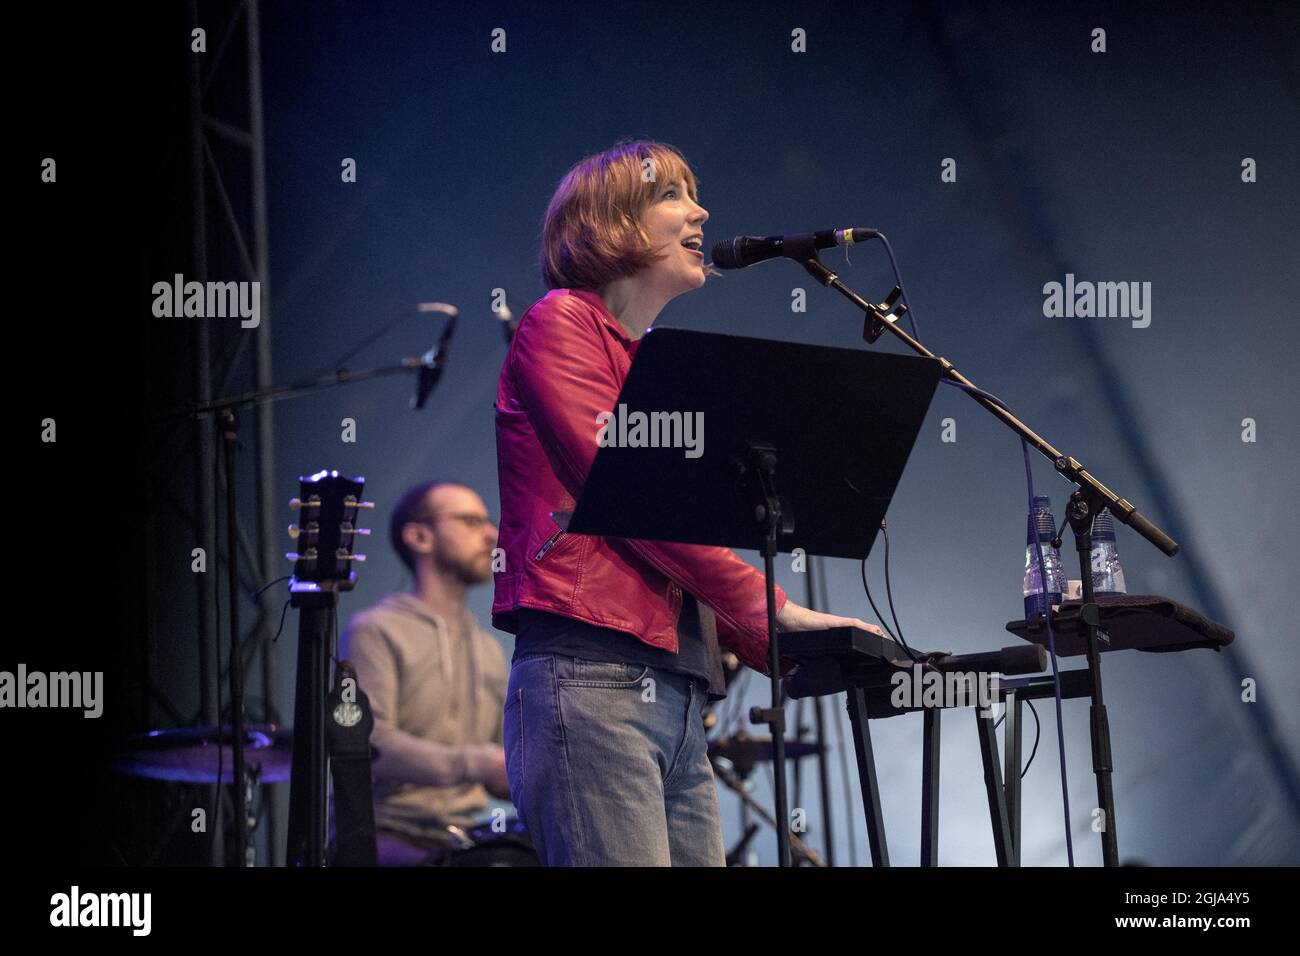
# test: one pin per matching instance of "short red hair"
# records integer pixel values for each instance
(592, 231)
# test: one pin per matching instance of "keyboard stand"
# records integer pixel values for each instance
(862, 664)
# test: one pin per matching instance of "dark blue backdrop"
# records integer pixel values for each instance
(1116, 166)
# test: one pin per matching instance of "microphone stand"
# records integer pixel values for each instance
(225, 409)
(302, 386)
(1088, 498)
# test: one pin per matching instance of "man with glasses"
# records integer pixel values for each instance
(435, 679)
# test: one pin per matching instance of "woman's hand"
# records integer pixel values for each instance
(796, 617)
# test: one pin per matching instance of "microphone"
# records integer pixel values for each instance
(744, 251)
(434, 360)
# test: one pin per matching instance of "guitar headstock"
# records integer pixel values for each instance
(327, 508)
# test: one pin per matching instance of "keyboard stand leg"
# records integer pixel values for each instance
(1002, 845)
(857, 704)
(1013, 736)
(930, 788)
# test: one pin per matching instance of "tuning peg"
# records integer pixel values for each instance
(293, 556)
(295, 503)
(350, 501)
(345, 527)
(294, 531)
(343, 554)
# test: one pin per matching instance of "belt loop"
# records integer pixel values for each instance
(565, 669)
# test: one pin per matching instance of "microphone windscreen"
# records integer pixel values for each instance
(727, 255)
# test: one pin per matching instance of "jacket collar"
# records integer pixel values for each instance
(606, 316)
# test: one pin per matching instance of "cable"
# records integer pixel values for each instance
(284, 609)
(1051, 638)
(265, 587)
(881, 617)
(975, 390)
(1056, 672)
(1047, 617)
(1034, 750)
(916, 659)
(249, 644)
(898, 278)
(889, 591)
(1037, 728)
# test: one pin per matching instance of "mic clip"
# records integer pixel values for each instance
(891, 310)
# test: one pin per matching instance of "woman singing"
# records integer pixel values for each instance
(614, 659)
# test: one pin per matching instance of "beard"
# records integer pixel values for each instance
(471, 570)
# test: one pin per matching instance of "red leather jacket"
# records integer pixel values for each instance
(567, 363)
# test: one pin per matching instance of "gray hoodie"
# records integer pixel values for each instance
(437, 689)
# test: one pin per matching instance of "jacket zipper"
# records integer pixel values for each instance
(547, 545)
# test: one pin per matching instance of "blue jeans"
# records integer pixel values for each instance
(608, 764)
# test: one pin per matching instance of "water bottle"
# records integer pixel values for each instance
(1042, 525)
(1107, 575)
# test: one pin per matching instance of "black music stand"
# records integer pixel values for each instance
(790, 431)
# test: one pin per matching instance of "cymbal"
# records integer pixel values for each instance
(742, 749)
(191, 754)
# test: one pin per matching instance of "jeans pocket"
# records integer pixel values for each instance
(606, 674)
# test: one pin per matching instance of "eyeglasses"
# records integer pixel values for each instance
(472, 521)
